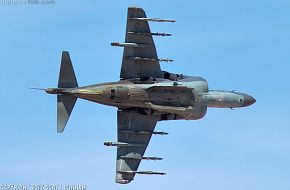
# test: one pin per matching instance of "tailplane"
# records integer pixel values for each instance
(65, 105)
(67, 78)
(65, 102)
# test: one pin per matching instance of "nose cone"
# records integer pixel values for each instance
(248, 100)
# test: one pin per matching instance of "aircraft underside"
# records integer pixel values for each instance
(144, 95)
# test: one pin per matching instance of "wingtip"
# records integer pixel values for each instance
(135, 8)
(123, 181)
(60, 127)
(59, 131)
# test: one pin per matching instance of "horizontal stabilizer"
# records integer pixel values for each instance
(65, 105)
(67, 78)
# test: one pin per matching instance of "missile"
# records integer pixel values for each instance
(153, 19)
(166, 60)
(151, 59)
(131, 45)
(159, 133)
(143, 132)
(149, 34)
(142, 172)
(138, 157)
(121, 144)
(161, 34)
(152, 158)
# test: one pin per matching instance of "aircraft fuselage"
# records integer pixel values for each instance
(186, 98)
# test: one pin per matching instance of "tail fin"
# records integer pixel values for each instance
(65, 102)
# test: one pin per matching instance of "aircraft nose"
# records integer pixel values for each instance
(248, 100)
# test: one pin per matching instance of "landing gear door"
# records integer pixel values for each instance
(119, 93)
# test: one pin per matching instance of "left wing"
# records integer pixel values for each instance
(134, 133)
(140, 58)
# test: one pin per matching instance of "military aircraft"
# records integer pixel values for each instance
(143, 96)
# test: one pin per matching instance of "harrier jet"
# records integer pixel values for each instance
(143, 96)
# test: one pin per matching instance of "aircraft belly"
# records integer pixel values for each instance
(138, 95)
(171, 96)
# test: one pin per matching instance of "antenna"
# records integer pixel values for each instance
(42, 89)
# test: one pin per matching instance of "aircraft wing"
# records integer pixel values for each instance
(139, 58)
(134, 133)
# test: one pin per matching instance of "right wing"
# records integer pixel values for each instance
(140, 61)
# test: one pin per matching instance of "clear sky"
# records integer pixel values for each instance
(241, 45)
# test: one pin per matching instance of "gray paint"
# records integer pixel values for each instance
(143, 96)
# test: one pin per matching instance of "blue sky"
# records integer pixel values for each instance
(234, 44)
